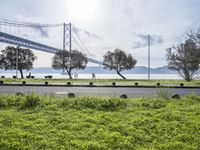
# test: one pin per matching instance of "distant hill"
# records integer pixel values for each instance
(100, 70)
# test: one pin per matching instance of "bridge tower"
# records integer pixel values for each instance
(67, 36)
(67, 40)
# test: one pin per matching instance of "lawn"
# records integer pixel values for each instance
(92, 123)
(103, 81)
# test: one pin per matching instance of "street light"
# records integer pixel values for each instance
(17, 55)
(149, 38)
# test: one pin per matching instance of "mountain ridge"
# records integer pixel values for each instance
(101, 70)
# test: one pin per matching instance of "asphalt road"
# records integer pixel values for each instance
(95, 91)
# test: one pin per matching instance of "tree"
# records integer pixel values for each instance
(194, 36)
(25, 59)
(65, 60)
(118, 61)
(184, 59)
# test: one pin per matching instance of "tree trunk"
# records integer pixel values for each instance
(22, 76)
(69, 73)
(121, 75)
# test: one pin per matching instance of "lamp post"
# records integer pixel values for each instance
(149, 38)
(17, 55)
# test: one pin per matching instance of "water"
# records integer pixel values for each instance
(101, 76)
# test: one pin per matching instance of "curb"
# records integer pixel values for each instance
(100, 86)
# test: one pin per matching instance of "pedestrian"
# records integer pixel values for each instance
(93, 76)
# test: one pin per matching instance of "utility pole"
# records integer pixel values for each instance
(17, 55)
(149, 38)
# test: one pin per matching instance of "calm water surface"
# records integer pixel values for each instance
(103, 76)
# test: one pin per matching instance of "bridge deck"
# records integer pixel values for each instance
(15, 40)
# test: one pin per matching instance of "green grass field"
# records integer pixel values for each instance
(93, 123)
(103, 81)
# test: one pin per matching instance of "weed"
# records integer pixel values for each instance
(31, 101)
(164, 93)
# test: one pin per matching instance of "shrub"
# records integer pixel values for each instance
(50, 76)
(113, 83)
(182, 85)
(193, 97)
(10, 100)
(136, 84)
(91, 83)
(31, 101)
(110, 104)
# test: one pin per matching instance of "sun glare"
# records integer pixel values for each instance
(81, 10)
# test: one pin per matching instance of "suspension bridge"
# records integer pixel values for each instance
(10, 30)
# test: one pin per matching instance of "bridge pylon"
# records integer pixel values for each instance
(67, 36)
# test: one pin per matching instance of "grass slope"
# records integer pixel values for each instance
(42, 122)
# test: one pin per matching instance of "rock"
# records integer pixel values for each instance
(71, 95)
(19, 94)
(175, 96)
(124, 96)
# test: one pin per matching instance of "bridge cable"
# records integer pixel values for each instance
(83, 43)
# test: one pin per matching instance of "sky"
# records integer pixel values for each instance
(109, 24)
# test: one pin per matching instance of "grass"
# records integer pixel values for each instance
(92, 123)
(104, 81)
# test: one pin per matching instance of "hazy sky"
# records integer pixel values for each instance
(109, 24)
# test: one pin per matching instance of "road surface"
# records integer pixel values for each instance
(96, 91)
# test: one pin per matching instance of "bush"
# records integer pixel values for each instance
(50, 76)
(113, 83)
(91, 84)
(10, 100)
(193, 97)
(136, 84)
(182, 85)
(31, 101)
(110, 104)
